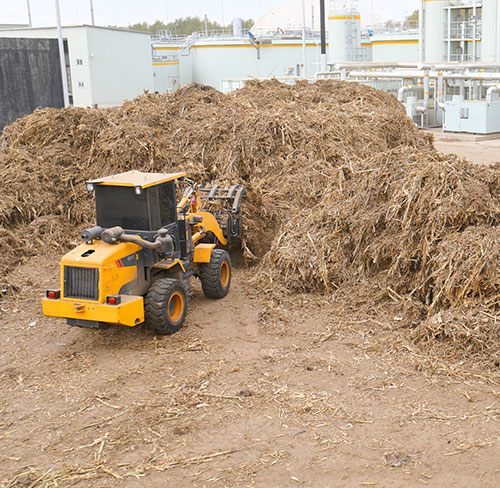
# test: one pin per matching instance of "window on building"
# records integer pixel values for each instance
(79, 61)
(81, 84)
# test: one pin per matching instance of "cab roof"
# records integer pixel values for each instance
(136, 178)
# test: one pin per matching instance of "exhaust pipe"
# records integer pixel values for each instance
(162, 244)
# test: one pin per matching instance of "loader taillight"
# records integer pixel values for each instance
(53, 294)
(113, 299)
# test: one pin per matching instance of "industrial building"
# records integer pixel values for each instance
(105, 66)
(444, 69)
(452, 31)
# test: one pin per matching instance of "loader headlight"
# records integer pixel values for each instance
(138, 190)
(90, 187)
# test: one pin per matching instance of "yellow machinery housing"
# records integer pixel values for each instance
(135, 265)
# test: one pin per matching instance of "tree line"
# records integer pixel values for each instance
(186, 25)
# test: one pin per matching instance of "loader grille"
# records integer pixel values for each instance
(81, 283)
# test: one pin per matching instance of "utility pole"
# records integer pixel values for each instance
(498, 33)
(29, 13)
(92, 12)
(62, 56)
(421, 32)
(322, 21)
(304, 73)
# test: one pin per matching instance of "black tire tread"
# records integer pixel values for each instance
(209, 274)
(156, 317)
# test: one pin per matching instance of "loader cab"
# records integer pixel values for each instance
(135, 201)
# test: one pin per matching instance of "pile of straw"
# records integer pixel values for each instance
(341, 187)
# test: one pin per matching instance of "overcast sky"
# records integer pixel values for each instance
(125, 12)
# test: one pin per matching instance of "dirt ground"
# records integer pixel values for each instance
(245, 394)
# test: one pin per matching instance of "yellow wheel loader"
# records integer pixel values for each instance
(135, 265)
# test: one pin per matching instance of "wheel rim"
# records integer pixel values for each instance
(175, 306)
(224, 274)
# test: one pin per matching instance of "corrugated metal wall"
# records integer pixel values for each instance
(30, 77)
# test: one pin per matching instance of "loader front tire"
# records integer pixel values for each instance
(165, 306)
(216, 275)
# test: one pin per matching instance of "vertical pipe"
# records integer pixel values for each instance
(449, 35)
(426, 98)
(498, 33)
(475, 90)
(29, 13)
(474, 34)
(62, 56)
(318, 56)
(426, 88)
(304, 73)
(440, 88)
(421, 32)
(322, 17)
(92, 12)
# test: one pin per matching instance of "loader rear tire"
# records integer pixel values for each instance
(216, 275)
(165, 306)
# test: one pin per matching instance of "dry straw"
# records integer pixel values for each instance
(342, 188)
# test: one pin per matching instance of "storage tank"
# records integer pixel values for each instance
(237, 27)
(434, 19)
(344, 36)
(490, 26)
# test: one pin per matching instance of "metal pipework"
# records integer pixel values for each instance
(319, 74)
(473, 76)
(475, 90)
(423, 108)
(450, 66)
(461, 87)
(304, 59)
(407, 88)
(116, 234)
(163, 242)
(141, 242)
(419, 66)
(440, 92)
(440, 76)
(92, 233)
(400, 75)
(498, 33)
(421, 32)
(376, 65)
(490, 91)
